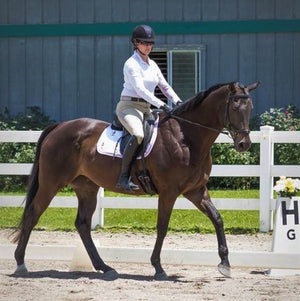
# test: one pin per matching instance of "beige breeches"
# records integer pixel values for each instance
(131, 115)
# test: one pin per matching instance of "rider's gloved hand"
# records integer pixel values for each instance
(166, 109)
(178, 103)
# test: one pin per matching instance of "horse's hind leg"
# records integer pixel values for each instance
(86, 192)
(202, 201)
(30, 218)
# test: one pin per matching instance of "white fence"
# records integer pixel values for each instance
(266, 170)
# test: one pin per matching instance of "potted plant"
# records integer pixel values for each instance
(287, 187)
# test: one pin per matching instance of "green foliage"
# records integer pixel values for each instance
(224, 153)
(287, 118)
(19, 152)
(283, 119)
(34, 119)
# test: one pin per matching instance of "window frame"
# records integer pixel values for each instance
(199, 49)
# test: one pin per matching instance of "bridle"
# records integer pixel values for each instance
(232, 132)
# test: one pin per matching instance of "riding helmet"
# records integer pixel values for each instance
(143, 33)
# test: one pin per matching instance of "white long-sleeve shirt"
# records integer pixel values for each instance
(141, 78)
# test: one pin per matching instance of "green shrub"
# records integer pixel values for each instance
(224, 153)
(19, 152)
(287, 118)
(34, 119)
(283, 119)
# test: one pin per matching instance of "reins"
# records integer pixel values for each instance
(227, 123)
(199, 124)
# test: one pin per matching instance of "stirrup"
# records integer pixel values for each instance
(125, 183)
(131, 186)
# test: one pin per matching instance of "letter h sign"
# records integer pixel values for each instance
(286, 235)
(294, 211)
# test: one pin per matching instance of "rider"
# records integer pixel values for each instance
(141, 76)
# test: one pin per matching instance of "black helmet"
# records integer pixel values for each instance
(143, 33)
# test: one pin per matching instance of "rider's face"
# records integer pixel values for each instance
(144, 47)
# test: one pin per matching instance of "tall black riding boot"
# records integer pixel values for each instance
(128, 156)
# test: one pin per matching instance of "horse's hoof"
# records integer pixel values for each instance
(21, 270)
(111, 275)
(224, 270)
(161, 276)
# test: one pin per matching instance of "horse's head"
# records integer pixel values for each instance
(237, 115)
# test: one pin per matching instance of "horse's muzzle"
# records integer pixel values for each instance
(242, 144)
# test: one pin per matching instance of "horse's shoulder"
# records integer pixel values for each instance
(171, 143)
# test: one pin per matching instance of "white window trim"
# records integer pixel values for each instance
(200, 51)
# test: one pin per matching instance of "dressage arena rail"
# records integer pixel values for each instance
(266, 170)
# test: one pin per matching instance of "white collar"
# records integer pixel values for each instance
(136, 54)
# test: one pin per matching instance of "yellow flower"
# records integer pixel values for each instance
(287, 187)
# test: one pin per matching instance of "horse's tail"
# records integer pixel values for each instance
(33, 179)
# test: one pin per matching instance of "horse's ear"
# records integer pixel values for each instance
(253, 86)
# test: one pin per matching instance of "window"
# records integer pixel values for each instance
(183, 68)
(161, 59)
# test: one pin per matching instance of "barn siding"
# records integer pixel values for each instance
(81, 76)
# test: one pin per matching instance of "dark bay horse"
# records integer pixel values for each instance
(179, 163)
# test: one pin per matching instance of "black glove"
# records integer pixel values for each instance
(178, 103)
(166, 109)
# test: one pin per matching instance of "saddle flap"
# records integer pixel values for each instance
(148, 124)
(109, 141)
(116, 124)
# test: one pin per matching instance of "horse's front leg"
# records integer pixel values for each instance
(202, 201)
(165, 206)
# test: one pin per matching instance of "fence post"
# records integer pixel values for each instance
(265, 178)
(98, 216)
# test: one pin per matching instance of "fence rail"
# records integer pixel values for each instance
(266, 170)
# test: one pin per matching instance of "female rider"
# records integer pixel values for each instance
(141, 76)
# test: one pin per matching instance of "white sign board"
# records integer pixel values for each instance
(286, 235)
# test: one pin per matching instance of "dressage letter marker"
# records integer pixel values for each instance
(286, 236)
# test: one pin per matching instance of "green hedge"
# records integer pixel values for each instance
(34, 119)
(282, 119)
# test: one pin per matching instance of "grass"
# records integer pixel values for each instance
(140, 220)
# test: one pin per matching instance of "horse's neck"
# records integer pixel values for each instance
(211, 112)
(210, 116)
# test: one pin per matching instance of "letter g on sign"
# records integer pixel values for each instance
(291, 234)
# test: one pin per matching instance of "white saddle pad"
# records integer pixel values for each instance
(109, 142)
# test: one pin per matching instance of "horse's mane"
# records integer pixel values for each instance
(190, 103)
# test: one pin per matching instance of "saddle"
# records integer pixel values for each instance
(142, 174)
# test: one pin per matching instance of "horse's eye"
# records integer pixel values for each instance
(236, 104)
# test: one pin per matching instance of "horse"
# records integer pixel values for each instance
(179, 164)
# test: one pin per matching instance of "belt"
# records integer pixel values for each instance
(137, 99)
